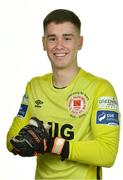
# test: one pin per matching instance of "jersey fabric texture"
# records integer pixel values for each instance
(85, 113)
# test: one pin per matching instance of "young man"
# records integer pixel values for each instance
(81, 109)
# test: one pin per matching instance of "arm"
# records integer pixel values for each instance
(20, 120)
(102, 149)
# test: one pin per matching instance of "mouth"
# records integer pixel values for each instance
(60, 55)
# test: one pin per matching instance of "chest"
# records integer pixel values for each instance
(68, 113)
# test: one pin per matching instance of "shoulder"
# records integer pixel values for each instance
(99, 81)
(37, 81)
(42, 78)
(97, 84)
(102, 85)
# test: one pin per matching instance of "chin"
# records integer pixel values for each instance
(59, 66)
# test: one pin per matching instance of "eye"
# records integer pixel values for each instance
(51, 39)
(67, 38)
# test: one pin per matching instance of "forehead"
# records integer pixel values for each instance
(61, 28)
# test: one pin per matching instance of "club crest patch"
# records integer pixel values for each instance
(77, 104)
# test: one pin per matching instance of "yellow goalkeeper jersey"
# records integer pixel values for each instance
(85, 113)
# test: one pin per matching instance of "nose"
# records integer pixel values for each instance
(59, 44)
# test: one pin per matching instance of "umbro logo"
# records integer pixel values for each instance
(38, 103)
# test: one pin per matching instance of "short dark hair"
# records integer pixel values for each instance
(62, 15)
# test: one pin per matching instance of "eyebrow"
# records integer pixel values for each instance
(64, 35)
(67, 34)
(51, 35)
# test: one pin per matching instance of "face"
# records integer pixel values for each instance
(62, 42)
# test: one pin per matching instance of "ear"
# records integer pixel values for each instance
(80, 42)
(44, 43)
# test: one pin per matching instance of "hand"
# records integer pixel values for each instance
(31, 139)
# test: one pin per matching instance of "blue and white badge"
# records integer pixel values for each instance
(107, 117)
(22, 110)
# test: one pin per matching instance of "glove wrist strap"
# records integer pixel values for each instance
(58, 145)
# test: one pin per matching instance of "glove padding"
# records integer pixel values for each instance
(31, 139)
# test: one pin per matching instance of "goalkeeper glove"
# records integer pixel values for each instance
(34, 138)
(31, 139)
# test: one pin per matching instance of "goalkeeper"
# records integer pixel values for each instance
(68, 118)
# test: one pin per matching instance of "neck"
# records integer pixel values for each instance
(63, 77)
